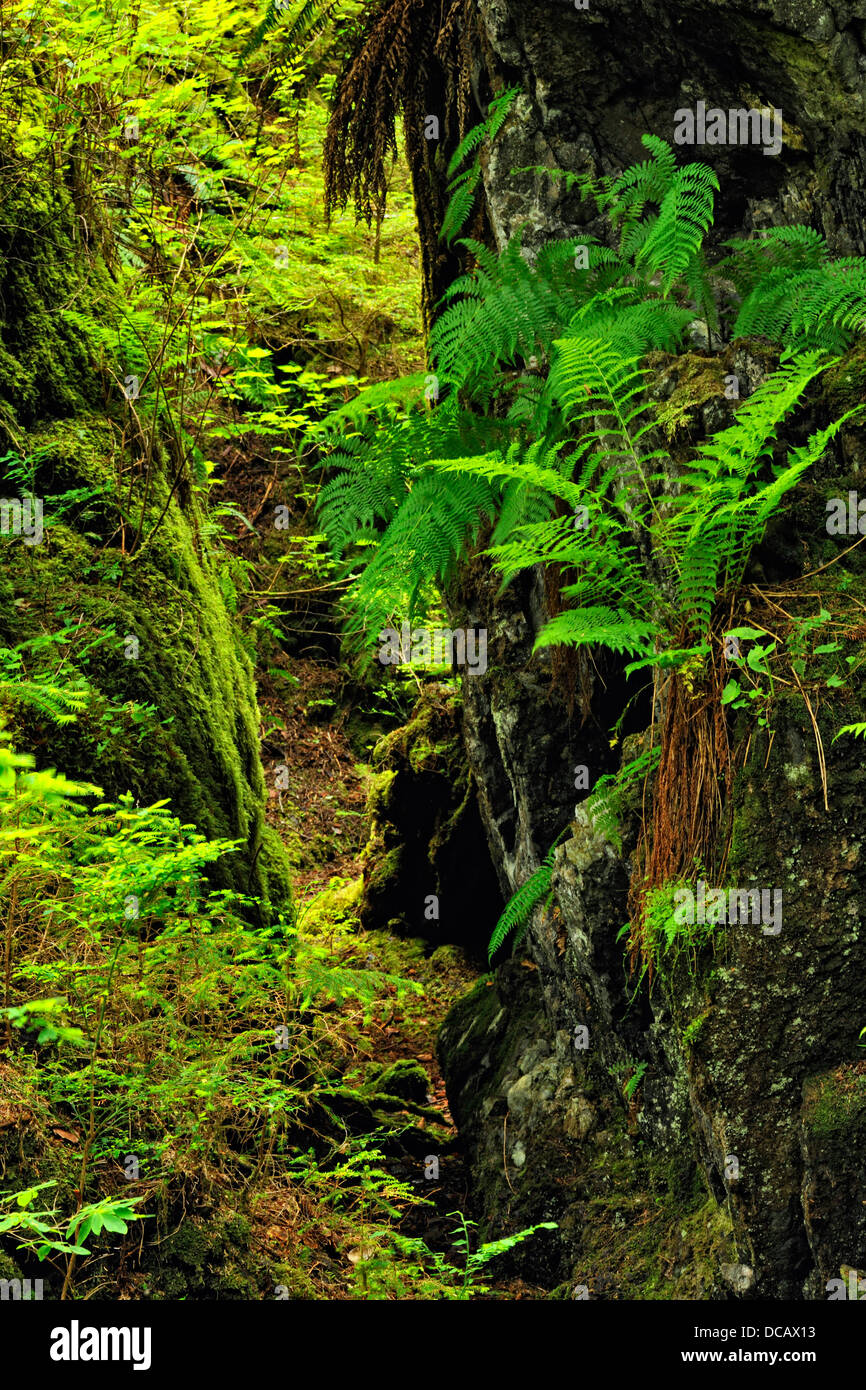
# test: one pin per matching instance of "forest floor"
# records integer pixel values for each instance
(321, 817)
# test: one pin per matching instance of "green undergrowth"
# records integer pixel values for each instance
(162, 1058)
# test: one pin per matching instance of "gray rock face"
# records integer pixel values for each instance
(521, 739)
(741, 1066)
(596, 79)
(746, 1057)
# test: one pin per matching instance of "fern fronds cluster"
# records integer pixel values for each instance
(794, 294)
(536, 428)
(463, 183)
(606, 802)
(723, 511)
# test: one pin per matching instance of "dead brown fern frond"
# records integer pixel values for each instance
(382, 76)
(413, 60)
(456, 47)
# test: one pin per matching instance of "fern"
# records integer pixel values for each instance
(62, 704)
(508, 308)
(632, 324)
(605, 804)
(614, 628)
(644, 572)
(723, 510)
(304, 22)
(667, 243)
(676, 236)
(315, 973)
(778, 248)
(424, 541)
(519, 907)
(462, 187)
(794, 294)
(857, 731)
(541, 410)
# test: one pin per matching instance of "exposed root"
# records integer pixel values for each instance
(690, 789)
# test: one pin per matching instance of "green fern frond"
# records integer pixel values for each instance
(513, 447)
(304, 21)
(486, 130)
(627, 195)
(602, 626)
(62, 704)
(684, 217)
(820, 306)
(724, 508)
(699, 574)
(777, 248)
(519, 907)
(632, 324)
(462, 186)
(856, 731)
(606, 802)
(511, 308)
(377, 399)
(436, 522)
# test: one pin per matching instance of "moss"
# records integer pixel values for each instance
(446, 958)
(190, 1245)
(198, 748)
(425, 742)
(691, 1030)
(657, 1235)
(749, 824)
(46, 363)
(696, 1247)
(238, 1231)
(193, 741)
(8, 1267)
(836, 1101)
(845, 383)
(406, 1078)
(173, 1285)
(292, 1281)
(698, 380)
(336, 904)
(206, 1260)
(273, 870)
(379, 788)
(386, 873)
(807, 64)
(425, 828)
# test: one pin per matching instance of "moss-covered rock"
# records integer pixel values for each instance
(833, 1136)
(548, 1138)
(427, 868)
(125, 568)
(205, 1260)
(406, 1078)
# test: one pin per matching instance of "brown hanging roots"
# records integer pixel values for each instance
(571, 667)
(689, 794)
(408, 57)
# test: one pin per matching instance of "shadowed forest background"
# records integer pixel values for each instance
(329, 975)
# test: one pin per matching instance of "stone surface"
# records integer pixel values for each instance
(746, 1058)
(595, 80)
(427, 869)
